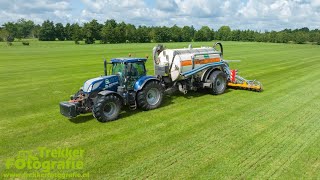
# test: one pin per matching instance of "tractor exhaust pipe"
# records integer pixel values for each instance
(105, 67)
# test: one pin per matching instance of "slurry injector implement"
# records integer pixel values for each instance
(183, 70)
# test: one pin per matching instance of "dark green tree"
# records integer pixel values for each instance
(108, 34)
(35, 31)
(130, 33)
(142, 34)
(76, 33)
(162, 34)
(59, 30)
(199, 36)
(87, 33)
(68, 32)
(176, 33)
(204, 34)
(11, 29)
(4, 35)
(224, 33)
(186, 34)
(24, 28)
(300, 37)
(47, 31)
(96, 28)
(91, 31)
(235, 35)
(120, 32)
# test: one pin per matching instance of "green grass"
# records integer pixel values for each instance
(240, 134)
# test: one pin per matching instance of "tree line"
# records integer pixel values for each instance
(114, 32)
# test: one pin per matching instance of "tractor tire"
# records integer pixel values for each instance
(219, 82)
(151, 96)
(106, 108)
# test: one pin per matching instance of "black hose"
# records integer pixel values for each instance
(221, 47)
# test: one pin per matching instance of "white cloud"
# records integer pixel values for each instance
(166, 5)
(36, 10)
(243, 14)
(315, 3)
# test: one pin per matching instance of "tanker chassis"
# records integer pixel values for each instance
(175, 70)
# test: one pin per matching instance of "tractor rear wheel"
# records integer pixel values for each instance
(106, 108)
(219, 82)
(150, 97)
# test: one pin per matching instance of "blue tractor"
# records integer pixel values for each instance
(105, 95)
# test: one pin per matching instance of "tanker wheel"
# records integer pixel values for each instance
(150, 97)
(106, 108)
(219, 82)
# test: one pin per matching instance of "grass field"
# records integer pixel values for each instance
(240, 134)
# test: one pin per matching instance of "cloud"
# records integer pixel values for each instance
(238, 14)
(166, 5)
(315, 3)
(279, 14)
(36, 10)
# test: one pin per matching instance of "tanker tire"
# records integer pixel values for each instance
(219, 82)
(106, 108)
(151, 96)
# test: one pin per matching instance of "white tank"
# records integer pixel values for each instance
(180, 60)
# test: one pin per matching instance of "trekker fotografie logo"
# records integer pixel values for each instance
(44, 161)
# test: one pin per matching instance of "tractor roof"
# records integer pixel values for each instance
(128, 60)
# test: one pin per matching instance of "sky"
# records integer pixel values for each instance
(258, 15)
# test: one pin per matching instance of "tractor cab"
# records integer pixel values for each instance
(129, 70)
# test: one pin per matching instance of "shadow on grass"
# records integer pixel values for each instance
(194, 94)
(168, 100)
(82, 119)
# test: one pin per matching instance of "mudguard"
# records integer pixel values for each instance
(107, 92)
(207, 73)
(142, 81)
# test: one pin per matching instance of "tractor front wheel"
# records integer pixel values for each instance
(150, 97)
(107, 108)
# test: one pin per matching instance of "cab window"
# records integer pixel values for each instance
(137, 69)
(118, 68)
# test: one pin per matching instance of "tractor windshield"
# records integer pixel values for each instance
(118, 69)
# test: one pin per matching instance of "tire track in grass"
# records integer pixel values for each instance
(96, 134)
(249, 151)
(274, 173)
(257, 71)
(294, 68)
(269, 151)
(234, 160)
(273, 62)
(296, 150)
(308, 161)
